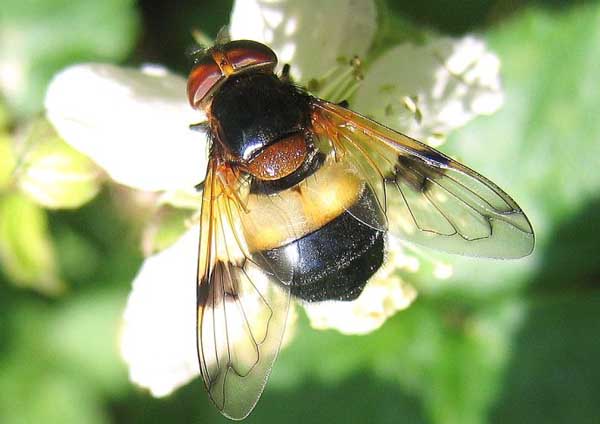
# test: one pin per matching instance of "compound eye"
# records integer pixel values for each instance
(248, 54)
(203, 79)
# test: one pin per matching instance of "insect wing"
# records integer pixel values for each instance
(242, 306)
(428, 198)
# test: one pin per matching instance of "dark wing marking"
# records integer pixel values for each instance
(429, 199)
(242, 307)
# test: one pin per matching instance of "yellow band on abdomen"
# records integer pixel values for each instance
(275, 220)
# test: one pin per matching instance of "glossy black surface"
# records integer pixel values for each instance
(336, 260)
(254, 110)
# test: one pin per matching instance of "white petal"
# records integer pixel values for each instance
(309, 35)
(133, 123)
(381, 298)
(158, 339)
(448, 81)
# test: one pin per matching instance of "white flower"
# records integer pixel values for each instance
(311, 34)
(134, 123)
(429, 90)
(380, 299)
(157, 339)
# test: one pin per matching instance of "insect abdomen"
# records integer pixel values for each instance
(335, 261)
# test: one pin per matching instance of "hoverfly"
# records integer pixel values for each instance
(298, 199)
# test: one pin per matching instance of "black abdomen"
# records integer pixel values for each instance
(335, 261)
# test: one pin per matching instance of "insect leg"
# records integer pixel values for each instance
(285, 73)
(202, 127)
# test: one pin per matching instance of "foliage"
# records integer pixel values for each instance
(496, 342)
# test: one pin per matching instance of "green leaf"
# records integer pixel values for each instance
(449, 354)
(4, 117)
(7, 161)
(166, 226)
(554, 375)
(543, 149)
(54, 174)
(87, 327)
(26, 251)
(181, 199)
(393, 29)
(54, 398)
(39, 37)
(43, 377)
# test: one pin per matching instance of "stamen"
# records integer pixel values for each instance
(340, 82)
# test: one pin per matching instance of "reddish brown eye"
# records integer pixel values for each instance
(222, 61)
(243, 54)
(205, 76)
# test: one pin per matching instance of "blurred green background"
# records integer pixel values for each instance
(499, 342)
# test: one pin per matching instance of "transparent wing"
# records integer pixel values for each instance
(242, 306)
(429, 199)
